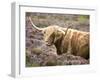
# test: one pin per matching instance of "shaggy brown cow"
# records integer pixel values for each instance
(71, 40)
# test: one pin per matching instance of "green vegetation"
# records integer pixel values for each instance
(36, 51)
(51, 63)
(83, 18)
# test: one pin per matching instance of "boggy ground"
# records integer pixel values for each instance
(39, 54)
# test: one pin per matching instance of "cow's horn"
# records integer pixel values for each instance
(67, 30)
(35, 25)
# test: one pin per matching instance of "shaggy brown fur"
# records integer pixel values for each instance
(75, 41)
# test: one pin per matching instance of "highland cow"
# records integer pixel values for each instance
(75, 41)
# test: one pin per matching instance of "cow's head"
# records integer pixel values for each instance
(51, 33)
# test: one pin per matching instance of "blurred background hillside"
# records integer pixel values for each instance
(80, 22)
